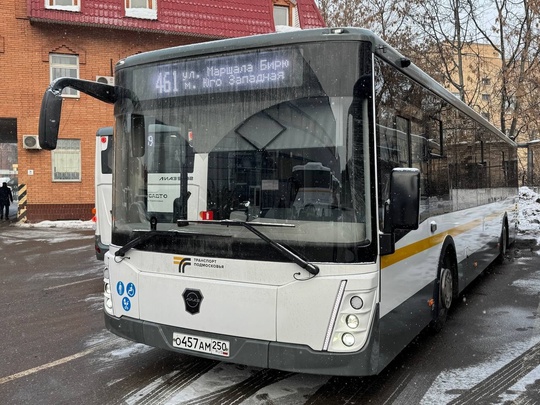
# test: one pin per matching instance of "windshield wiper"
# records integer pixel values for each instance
(135, 242)
(309, 267)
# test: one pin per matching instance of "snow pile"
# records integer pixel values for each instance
(529, 212)
(59, 224)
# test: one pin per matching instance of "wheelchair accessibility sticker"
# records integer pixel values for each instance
(129, 290)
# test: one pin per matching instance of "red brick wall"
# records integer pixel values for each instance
(24, 66)
(54, 212)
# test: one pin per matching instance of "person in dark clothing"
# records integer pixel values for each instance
(6, 198)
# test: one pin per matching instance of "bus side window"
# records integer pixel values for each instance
(435, 139)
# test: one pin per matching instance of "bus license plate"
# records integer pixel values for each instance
(201, 344)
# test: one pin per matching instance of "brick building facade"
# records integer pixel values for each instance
(41, 39)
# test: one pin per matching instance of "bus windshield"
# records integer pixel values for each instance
(219, 139)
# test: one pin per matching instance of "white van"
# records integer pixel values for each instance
(103, 190)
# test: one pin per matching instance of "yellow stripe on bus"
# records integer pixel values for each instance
(410, 250)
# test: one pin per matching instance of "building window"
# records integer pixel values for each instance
(285, 13)
(486, 81)
(486, 97)
(66, 160)
(141, 9)
(281, 15)
(65, 66)
(66, 5)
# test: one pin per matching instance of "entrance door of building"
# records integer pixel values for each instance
(9, 160)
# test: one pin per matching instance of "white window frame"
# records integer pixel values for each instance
(148, 10)
(292, 14)
(279, 8)
(53, 5)
(67, 159)
(72, 68)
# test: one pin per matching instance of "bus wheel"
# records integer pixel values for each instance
(444, 296)
(503, 244)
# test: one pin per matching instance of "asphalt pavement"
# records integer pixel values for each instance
(55, 349)
(12, 215)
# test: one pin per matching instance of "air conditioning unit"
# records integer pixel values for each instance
(105, 80)
(31, 142)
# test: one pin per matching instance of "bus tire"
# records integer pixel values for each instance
(503, 243)
(445, 290)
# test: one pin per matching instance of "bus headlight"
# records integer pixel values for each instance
(107, 297)
(352, 321)
(357, 302)
(347, 339)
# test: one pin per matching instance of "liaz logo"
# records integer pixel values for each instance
(182, 263)
(192, 300)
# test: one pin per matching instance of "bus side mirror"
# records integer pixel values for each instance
(49, 120)
(404, 208)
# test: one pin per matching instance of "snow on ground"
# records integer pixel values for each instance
(444, 387)
(58, 224)
(449, 384)
(441, 390)
(529, 213)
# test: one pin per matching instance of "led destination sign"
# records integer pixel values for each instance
(251, 71)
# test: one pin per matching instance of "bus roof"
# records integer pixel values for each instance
(105, 131)
(246, 43)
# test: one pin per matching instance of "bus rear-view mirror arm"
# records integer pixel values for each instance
(403, 206)
(51, 105)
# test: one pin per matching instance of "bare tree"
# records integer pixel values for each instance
(487, 53)
(387, 18)
(448, 39)
(340, 13)
(445, 29)
(475, 41)
(514, 37)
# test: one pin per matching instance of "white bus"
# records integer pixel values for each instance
(103, 190)
(161, 190)
(340, 201)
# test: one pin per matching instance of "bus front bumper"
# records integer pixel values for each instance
(258, 353)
